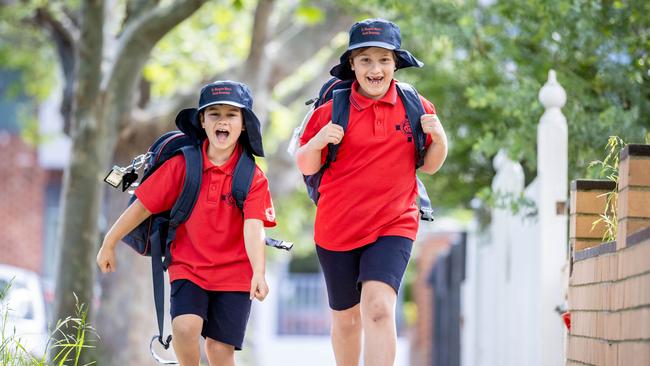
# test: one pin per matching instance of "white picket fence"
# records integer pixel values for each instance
(516, 268)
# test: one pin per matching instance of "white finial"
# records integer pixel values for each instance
(499, 159)
(552, 94)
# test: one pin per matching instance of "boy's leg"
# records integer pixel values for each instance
(381, 269)
(186, 330)
(341, 271)
(378, 318)
(346, 336)
(219, 354)
(225, 329)
(189, 305)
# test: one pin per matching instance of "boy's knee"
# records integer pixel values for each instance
(218, 350)
(348, 320)
(187, 327)
(378, 308)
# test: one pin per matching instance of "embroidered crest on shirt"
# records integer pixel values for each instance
(405, 127)
(270, 214)
(228, 199)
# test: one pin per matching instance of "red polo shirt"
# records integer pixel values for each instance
(209, 247)
(370, 190)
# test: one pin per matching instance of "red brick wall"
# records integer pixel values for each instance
(22, 190)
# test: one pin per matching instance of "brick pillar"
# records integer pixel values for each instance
(633, 192)
(588, 198)
(609, 296)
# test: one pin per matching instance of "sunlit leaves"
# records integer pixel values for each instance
(213, 39)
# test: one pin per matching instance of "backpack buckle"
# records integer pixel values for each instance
(426, 214)
(165, 344)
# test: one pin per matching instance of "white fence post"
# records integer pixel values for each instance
(552, 167)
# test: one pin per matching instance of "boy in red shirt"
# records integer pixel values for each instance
(218, 260)
(367, 216)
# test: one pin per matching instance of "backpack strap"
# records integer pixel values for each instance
(243, 178)
(341, 117)
(415, 110)
(163, 237)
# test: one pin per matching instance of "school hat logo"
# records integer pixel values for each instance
(374, 33)
(225, 92)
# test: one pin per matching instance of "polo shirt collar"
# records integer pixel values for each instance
(228, 167)
(361, 102)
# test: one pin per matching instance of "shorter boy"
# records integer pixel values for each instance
(218, 260)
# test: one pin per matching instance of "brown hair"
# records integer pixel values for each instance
(355, 52)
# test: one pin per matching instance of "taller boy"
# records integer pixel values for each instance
(367, 216)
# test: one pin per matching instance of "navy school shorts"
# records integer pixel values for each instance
(225, 314)
(384, 260)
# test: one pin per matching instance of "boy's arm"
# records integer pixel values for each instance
(437, 151)
(308, 156)
(129, 220)
(254, 242)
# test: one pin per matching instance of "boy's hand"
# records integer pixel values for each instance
(329, 134)
(106, 259)
(431, 125)
(259, 289)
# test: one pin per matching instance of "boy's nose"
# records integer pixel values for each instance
(375, 67)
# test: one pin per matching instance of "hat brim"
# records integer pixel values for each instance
(343, 70)
(188, 121)
(252, 136)
(227, 102)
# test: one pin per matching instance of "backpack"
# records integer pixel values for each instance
(153, 237)
(340, 91)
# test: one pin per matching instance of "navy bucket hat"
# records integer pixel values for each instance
(374, 33)
(225, 92)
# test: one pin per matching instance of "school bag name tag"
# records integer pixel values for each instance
(115, 176)
(126, 176)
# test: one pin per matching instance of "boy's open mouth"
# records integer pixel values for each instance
(222, 135)
(375, 80)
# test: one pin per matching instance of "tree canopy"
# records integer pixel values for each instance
(485, 62)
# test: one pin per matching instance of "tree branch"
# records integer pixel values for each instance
(89, 57)
(134, 48)
(62, 28)
(260, 35)
(304, 42)
(136, 8)
(64, 34)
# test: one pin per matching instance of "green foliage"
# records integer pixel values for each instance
(213, 39)
(67, 341)
(309, 14)
(24, 47)
(515, 203)
(608, 168)
(484, 66)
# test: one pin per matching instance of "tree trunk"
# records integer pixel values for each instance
(81, 194)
